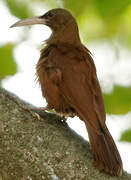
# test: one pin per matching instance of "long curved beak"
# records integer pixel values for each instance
(30, 21)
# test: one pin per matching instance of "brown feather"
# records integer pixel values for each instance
(71, 83)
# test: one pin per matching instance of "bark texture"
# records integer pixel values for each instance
(38, 147)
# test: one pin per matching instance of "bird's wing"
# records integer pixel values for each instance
(80, 86)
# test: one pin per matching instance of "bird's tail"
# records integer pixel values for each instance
(106, 155)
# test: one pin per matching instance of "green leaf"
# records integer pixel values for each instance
(7, 64)
(126, 136)
(109, 10)
(119, 101)
(76, 7)
(19, 8)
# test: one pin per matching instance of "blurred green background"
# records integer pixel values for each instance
(99, 21)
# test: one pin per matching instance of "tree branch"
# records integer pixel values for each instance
(35, 148)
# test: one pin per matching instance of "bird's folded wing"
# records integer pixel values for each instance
(81, 89)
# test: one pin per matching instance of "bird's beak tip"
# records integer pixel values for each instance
(12, 26)
(17, 24)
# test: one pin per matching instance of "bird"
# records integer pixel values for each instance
(68, 80)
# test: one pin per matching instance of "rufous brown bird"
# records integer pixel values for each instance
(68, 79)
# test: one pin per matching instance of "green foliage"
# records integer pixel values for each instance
(19, 8)
(7, 64)
(110, 10)
(110, 13)
(119, 101)
(102, 19)
(126, 136)
(76, 7)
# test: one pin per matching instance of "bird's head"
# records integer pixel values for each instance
(56, 19)
(61, 22)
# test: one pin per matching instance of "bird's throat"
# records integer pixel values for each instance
(69, 34)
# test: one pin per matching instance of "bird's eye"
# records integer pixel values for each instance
(50, 14)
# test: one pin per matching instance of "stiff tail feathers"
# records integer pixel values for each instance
(106, 155)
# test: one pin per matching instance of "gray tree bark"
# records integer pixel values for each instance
(41, 145)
